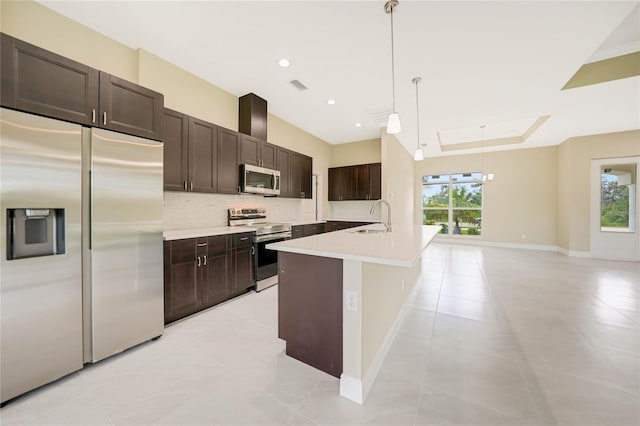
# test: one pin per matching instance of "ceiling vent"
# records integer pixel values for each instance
(298, 85)
(380, 116)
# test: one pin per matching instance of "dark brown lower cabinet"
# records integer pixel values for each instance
(310, 309)
(202, 272)
(215, 270)
(243, 276)
(180, 279)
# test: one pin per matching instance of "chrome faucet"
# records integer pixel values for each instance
(386, 224)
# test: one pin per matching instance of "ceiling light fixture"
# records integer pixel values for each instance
(358, 124)
(419, 155)
(393, 122)
(331, 102)
(284, 63)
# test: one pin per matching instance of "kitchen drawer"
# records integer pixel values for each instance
(297, 231)
(313, 229)
(242, 240)
(219, 243)
(182, 251)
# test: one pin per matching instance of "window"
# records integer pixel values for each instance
(617, 197)
(454, 202)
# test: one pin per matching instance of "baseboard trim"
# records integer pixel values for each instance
(541, 247)
(574, 253)
(357, 390)
(351, 388)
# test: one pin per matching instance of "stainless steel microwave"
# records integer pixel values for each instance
(258, 180)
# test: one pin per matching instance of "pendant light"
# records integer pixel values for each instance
(393, 123)
(419, 155)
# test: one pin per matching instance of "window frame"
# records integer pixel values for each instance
(475, 178)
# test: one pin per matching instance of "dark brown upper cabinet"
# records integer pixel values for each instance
(361, 182)
(368, 180)
(203, 156)
(41, 82)
(130, 108)
(228, 161)
(176, 150)
(341, 183)
(300, 167)
(283, 159)
(38, 81)
(295, 173)
(257, 152)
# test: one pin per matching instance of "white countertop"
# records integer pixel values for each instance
(180, 234)
(401, 247)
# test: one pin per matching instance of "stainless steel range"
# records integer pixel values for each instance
(265, 261)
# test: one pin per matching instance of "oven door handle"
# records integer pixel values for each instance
(263, 238)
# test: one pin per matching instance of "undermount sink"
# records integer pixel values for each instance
(369, 231)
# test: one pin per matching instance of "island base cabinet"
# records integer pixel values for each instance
(310, 310)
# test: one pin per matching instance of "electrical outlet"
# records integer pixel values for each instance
(351, 300)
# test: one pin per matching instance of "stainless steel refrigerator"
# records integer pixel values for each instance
(80, 247)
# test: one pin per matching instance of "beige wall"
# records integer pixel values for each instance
(36, 24)
(563, 210)
(384, 291)
(361, 152)
(397, 179)
(187, 93)
(521, 200)
(576, 156)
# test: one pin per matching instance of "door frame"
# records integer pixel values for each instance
(613, 245)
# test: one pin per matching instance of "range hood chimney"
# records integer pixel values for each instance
(252, 119)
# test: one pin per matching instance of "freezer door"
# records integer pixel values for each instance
(127, 296)
(40, 297)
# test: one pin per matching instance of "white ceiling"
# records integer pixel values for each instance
(481, 62)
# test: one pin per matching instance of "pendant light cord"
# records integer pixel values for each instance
(417, 80)
(482, 153)
(393, 66)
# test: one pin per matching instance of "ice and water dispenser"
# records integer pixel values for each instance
(35, 232)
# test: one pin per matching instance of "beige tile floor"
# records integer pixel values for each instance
(492, 337)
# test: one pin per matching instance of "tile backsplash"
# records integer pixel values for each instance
(188, 210)
(353, 210)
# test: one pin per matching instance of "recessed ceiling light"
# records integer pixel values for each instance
(284, 63)
(358, 124)
(331, 102)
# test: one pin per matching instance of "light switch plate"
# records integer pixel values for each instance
(351, 300)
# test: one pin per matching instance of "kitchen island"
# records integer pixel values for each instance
(342, 297)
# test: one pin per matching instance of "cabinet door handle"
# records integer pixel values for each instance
(93, 115)
(191, 185)
(253, 251)
(199, 261)
(104, 118)
(185, 185)
(244, 238)
(201, 244)
(205, 260)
